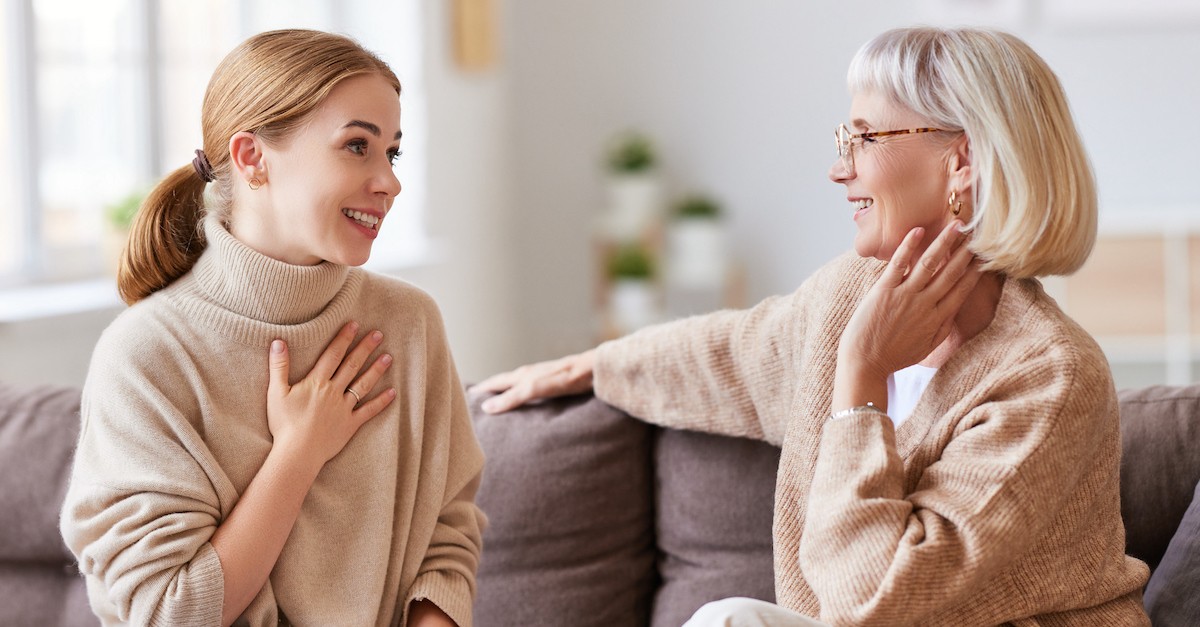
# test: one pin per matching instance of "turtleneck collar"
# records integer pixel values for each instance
(251, 284)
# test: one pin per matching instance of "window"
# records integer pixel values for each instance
(101, 99)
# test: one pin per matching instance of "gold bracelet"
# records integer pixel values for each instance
(869, 408)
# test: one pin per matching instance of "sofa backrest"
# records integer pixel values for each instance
(39, 583)
(598, 519)
(1160, 496)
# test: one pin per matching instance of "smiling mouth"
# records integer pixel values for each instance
(861, 206)
(364, 220)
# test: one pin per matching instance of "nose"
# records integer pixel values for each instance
(838, 173)
(386, 182)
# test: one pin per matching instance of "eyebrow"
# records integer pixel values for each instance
(370, 128)
(859, 123)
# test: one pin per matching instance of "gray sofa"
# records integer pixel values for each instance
(599, 519)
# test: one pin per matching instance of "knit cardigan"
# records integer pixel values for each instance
(995, 502)
(174, 427)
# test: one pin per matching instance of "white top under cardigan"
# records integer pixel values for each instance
(905, 387)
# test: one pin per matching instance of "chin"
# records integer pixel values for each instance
(350, 259)
(867, 249)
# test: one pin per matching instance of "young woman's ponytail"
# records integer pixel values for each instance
(166, 237)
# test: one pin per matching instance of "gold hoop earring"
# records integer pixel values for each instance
(955, 203)
(255, 184)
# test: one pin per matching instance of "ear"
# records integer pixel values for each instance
(246, 156)
(959, 165)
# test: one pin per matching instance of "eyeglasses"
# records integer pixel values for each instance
(845, 141)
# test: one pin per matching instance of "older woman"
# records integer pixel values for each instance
(950, 438)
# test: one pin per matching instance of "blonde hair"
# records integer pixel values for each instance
(1034, 193)
(269, 85)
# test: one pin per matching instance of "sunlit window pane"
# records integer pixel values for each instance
(100, 99)
(91, 127)
(12, 224)
(261, 15)
(193, 38)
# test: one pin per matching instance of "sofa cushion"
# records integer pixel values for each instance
(39, 426)
(1160, 465)
(570, 537)
(46, 595)
(1171, 596)
(715, 503)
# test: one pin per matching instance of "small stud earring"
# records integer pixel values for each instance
(255, 184)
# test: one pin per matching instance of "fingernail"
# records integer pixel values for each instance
(277, 346)
(488, 406)
(353, 326)
(376, 336)
(391, 392)
(385, 360)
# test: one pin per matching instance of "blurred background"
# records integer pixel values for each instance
(514, 112)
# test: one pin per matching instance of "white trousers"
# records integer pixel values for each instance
(743, 612)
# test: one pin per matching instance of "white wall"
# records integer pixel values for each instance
(742, 99)
(469, 204)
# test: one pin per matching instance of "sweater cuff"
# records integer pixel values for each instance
(859, 451)
(449, 591)
(199, 601)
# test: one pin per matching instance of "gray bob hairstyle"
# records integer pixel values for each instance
(1033, 189)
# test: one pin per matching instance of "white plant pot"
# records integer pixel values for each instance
(697, 254)
(634, 205)
(633, 304)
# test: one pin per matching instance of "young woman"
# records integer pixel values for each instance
(236, 465)
(950, 438)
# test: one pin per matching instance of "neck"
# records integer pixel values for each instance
(974, 316)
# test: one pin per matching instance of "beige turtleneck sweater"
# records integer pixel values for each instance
(995, 502)
(174, 428)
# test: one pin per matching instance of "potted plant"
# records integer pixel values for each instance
(119, 217)
(696, 244)
(697, 207)
(632, 296)
(631, 153)
(635, 191)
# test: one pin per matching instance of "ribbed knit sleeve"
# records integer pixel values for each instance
(145, 497)
(453, 460)
(730, 372)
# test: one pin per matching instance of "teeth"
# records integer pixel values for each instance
(863, 204)
(366, 219)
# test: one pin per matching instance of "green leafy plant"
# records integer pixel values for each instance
(120, 214)
(631, 153)
(631, 261)
(697, 207)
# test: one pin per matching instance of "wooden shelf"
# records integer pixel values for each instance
(1139, 293)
